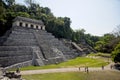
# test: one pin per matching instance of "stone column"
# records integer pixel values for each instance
(29, 25)
(34, 26)
(23, 24)
(43, 28)
(17, 23)
(39, 27)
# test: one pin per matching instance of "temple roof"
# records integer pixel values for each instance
(19, 18)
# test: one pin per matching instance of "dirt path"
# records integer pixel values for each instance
(61, 70)
(43, 71)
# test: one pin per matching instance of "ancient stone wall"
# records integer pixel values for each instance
(18, 65)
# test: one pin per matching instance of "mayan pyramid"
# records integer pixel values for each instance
(28, 43)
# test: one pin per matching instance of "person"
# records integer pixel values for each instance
(79, 68)
(111, 66)
(17, 74)
(87, 69)
(102, 67)
(17, 70)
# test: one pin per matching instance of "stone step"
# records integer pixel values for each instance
(63, 48)
(14, 53)
(22, 37)
(19, 32)
(21, 29)
(7, 61)
(29, 36)
(19, 40)
(52, 42)
(41, 32)
(15, 48)
(47, 36)
(33, 41)
(68, 53)
(69, 56)
(20, 44)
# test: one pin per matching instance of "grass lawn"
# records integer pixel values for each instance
(101, 75)
(107, 55)
(78, 62)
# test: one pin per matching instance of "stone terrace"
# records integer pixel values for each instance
(24, 47)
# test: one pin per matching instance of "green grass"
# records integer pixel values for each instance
(78, 62)
(101, 75)
(100, 54)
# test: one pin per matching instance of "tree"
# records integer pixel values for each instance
(22, 14)
(91, 40)
(79, 34)
(29, 2)
(67, 28)
(103, 45)
(9, 2)
(20, 8)
(100, 46)
(2, 13)
(116, 53)
(46, 10)
(116, 31)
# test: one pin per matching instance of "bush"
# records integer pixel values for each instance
(116, 54)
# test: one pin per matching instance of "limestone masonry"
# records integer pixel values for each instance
(28, 43)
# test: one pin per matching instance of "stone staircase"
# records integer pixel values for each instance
(24, 46)
(80, 49)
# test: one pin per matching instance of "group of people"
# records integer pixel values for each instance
(87, 70)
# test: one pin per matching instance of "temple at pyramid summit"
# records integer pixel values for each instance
(28, 43)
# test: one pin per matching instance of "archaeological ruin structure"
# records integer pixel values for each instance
(28, 23)
(28, 43)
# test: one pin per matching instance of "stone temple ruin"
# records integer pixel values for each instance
(28, 43)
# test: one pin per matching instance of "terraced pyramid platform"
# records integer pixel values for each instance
(25, 46)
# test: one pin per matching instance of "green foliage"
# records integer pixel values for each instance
(78, 35)
(106, 55)
(105, 44)
(91, 40)
(20, 8)
(9, 3)
(23, 14)
(116, 54)
(116, 31)
(2, 17)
